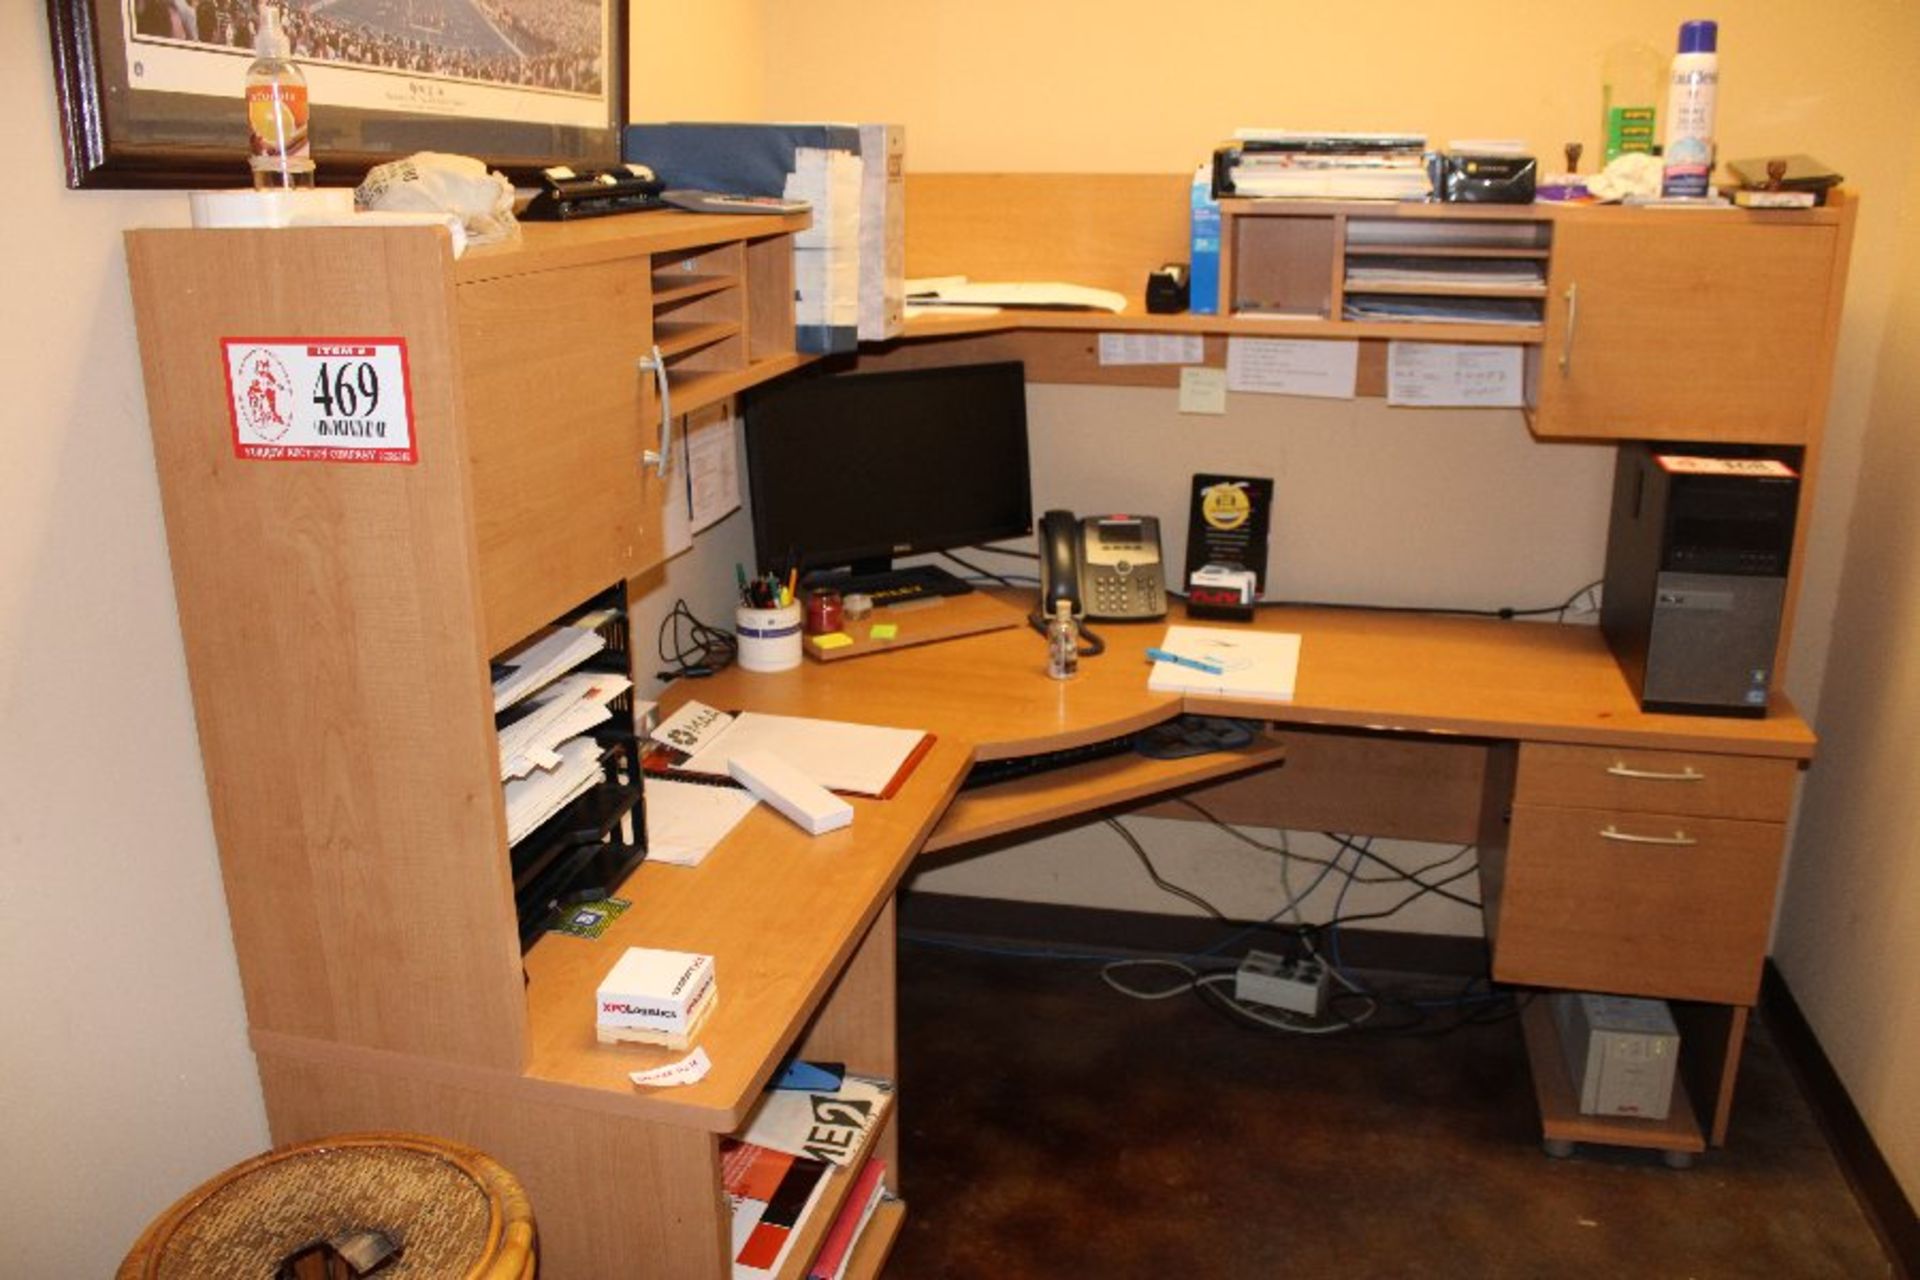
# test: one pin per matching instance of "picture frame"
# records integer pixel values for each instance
(147, 101)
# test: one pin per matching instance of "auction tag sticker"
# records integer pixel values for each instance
(320, 399)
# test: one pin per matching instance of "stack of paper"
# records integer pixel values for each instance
(686, 820)
(531, 731)
(544, 792)
(1323, 165)
(548, 657)
(1235, 662)
(544, 761)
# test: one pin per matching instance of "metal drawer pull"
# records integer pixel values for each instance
(660, 459)
(1625, 837)
(1573, 320)
(1619, 769)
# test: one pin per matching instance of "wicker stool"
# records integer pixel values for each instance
(452, 1211)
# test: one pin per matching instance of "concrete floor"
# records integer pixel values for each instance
(1053, 1128)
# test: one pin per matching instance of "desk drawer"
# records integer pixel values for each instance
(1636, 904)
(1751, 787)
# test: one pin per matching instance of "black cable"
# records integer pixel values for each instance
(976, 570)
(1015, 552)
(696, 648)
(1345, 842)
(1411, 877)
(1506, 613)
(1185, 895)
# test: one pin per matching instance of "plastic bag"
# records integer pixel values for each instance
(434, 182)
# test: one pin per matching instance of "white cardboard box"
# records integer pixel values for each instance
(1621, 1052)
(651, 990)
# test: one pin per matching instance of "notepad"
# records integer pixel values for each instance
(1253, 664)
(862, 759)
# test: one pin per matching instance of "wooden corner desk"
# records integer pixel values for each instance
(338, 621)
(1620, 851)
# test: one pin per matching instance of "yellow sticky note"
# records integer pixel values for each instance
(883, 631)
(832, 640)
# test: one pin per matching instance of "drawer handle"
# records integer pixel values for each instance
(1573, 321)
(1620, 769)
(660, 459)
(1678, 838)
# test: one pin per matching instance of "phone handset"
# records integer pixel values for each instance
(1060, 564)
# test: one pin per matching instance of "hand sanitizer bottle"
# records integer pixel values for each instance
(277, 110)
(1063, 642)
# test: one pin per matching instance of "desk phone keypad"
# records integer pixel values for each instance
(1127, 595)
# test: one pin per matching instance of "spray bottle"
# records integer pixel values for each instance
(277, 110)
(1691, 89)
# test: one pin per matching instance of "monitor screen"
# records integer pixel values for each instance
(855, 469)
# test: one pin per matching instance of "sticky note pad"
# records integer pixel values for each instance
(883, 631)
(832, 640)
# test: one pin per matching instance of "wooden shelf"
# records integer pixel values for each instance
(1441, 251)
(696, 390)
(1560, 1118)
(670, 289)
(870, 1254)
(677, 339)
(1439, 290)
(813, 1232)
(1101, 784)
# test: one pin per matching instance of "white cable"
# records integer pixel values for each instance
(1108, 970)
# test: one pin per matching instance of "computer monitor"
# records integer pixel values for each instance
(849, 471)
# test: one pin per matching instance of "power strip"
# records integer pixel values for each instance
(1298, 986)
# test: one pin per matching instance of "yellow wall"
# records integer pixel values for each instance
(1130, 86)
(1849, 934)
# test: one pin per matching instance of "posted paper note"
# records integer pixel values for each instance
(1457, 375)
(1293, 367)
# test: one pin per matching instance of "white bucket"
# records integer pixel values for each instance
(769, 638)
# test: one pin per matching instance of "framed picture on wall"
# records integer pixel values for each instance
(151, 91)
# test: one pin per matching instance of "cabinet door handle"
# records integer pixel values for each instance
(1679, 838)
(1620, 769)
(660, 459)
(1573, 320)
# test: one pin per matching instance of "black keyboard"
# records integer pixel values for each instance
(988, 772)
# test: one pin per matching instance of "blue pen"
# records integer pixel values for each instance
(1198, 664)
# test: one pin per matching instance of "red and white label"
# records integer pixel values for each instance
(320, 399)
(1686, 465)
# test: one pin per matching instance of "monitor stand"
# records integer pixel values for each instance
(889, 585)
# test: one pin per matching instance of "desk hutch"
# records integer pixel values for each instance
(339, 621)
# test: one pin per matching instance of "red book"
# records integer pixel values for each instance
(854, 1214)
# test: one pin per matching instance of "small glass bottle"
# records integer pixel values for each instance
(277, 110)
(1063, 642)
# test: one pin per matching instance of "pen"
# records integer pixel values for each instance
(1198, 664)
(740, 575)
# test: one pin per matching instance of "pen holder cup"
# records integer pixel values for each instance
(769, 638)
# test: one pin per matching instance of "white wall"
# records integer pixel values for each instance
(125, 1076)
(123, 1062)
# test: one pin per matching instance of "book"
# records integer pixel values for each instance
(869, 1189)
(770, 1194)
(828, 1123)
(1253, 664)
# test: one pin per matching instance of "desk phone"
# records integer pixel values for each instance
(1108, 566)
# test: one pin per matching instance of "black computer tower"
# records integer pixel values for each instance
(1696, 577)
